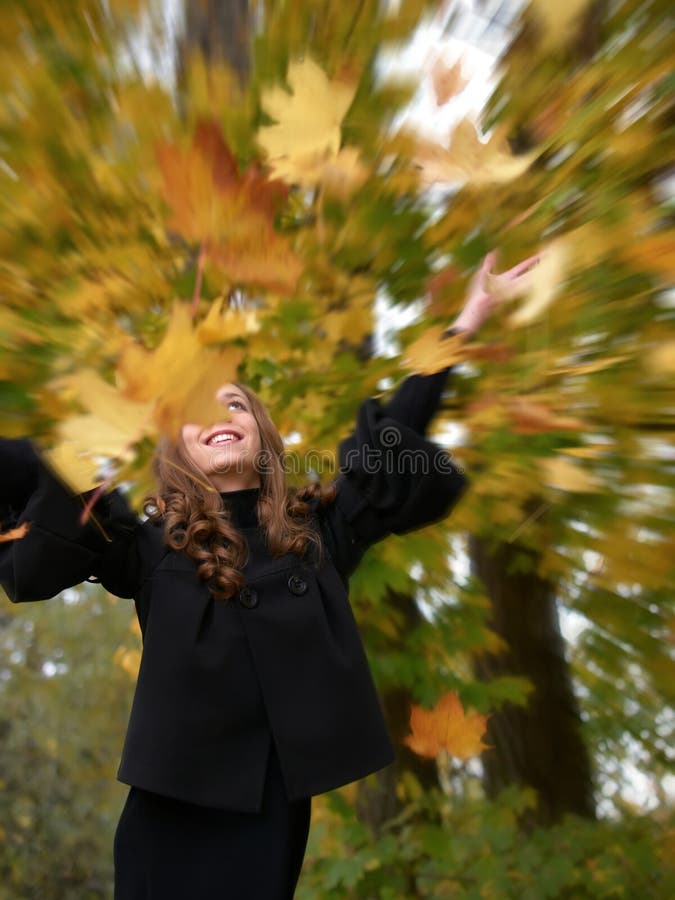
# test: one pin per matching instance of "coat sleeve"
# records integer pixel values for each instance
(392, 479)
(57, 551)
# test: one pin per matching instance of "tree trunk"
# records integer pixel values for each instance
(539, 745)
(220, 31)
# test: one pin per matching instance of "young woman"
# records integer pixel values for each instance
(254, 692)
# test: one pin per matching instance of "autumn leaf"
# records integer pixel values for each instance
(431, 353)
(565, 475)
(539, 286)
(587, 368)
(75, 465)
(109, 428)
(468, 159)
(303, 147)
(446, 727)
(529, 416)
(448, 81)
(223, 323)
(229, 214)
(181, 375)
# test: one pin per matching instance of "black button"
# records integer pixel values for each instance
(248, 597)
(297, 585)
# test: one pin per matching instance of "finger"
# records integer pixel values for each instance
(523, 266)
(489, 261)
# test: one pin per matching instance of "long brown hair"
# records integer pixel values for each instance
(196, 521)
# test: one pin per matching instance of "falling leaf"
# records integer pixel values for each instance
(431, 353)
(530, 416)
(76, 467)
(448, 81)
(229, 214)
(446, 727)
(352, 323)
(109, 428)
(341, 175)
(181, 375)
(305, 143)
(586, 368)
(566, 476)
(589, 451)
(223, 323)
(468, 159)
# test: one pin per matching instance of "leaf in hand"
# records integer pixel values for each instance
(446, 727)
(110, 427)
(540, 286)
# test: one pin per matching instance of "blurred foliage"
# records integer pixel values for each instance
(265, 223)
(63, 710)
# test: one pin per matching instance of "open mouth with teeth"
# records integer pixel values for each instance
(222, 437)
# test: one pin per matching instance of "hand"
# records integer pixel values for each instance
(487, 289)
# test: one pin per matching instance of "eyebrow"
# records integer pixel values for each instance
(230, 395)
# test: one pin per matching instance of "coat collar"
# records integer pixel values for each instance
(243, 506)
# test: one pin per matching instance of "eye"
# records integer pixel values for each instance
(236, 403)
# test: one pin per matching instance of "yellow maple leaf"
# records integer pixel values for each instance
(565, 475)
(468, 159)
(110, 427)
(431, 353)
(446, 727)
(180, 375)
(223, 323)
(305, 141)
(76, 466)
(341, 175)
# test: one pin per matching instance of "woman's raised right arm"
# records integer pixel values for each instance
(57, 551)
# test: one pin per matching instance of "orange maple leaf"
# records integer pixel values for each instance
(230, 214)
(446, 727)
(448, 81)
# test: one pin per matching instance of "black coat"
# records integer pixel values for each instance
(218, 680)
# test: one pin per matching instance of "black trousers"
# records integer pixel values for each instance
(168, 849)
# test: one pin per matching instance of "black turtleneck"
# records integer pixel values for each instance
(243, 506)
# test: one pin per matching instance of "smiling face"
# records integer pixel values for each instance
(227, 451)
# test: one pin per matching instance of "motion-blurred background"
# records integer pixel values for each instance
(295, 194)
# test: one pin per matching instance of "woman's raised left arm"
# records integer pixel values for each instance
(392, 478)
